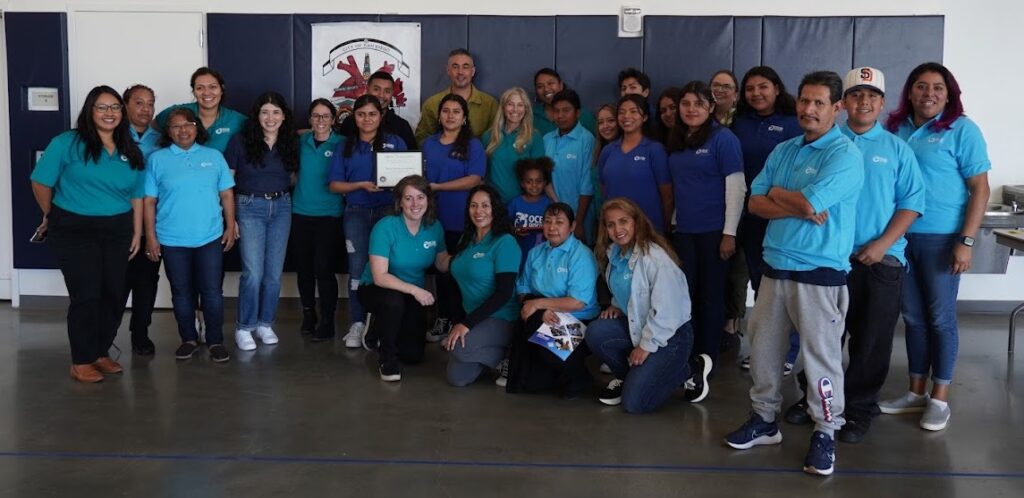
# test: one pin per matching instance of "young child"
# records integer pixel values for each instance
(527, 209)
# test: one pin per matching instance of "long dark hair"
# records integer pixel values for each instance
(352, 139)
(287, 144)
(660, 130)
(500, 221)
(90, 136)
(460, 149)
(784, 103)
(201, 134)
(641, 105)
(953, 110)
(680, 138)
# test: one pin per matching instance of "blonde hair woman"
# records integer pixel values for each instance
(512, 137)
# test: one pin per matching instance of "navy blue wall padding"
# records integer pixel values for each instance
(746, 45)
(252, 52)
(589, 55)
(510, 49)
(303, 41)
(795, 46)
(37, 48)
(885, 42)
(681, 49)
(438, 36)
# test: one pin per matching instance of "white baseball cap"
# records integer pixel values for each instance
(864, 77)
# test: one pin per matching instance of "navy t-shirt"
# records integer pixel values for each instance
(267, 176)
(698, 181)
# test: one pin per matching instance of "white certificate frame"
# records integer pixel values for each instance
(393, 166)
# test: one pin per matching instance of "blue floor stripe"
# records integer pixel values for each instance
(700, 469)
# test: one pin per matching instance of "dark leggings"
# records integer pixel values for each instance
(314, 247)
(398, 322)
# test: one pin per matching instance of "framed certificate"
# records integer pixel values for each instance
(393, 166)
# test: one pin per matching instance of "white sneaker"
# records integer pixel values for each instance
(439, 331)
(354, 337)
(266, 335)
(502, 379)
(936, 416)
(908, 403)
(243, 338)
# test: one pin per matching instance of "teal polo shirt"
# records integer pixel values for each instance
(620, 278)
(543, 125)
(829, 172)
(148, 142)
(568, 270)
(501, 164)
(187, 185)
(227, 124)
(892, 181)
(102, 188)
(573, 154)
(312, 197)
(408, 255)
(476, 266)
(946, 158)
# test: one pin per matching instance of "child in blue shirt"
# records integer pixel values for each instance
(527, 209)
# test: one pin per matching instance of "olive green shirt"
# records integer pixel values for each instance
(482, 110)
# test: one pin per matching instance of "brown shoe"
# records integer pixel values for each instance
(106, 365)
(86, 373)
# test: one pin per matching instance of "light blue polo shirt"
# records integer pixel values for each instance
(946, 159)
(572, 154)
(476, 266)
(408, 255)
(636, 175)
(227, 124)
(312, 196)
(620, 278)
(441, 167)
(187, 185)
(543, 125)
(829, 172)
(892, 181)
(568, 270)
(698, 181)
(81, 186)
(362, 167)
(148, 142)
(501, 164)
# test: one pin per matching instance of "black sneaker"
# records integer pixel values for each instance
(389, 372)
(797, 413)
(218, 353)
(308, 321)
(612, 395)
(324, 332)
(141, 345)
(185, 351)
(697, 388)
(854, 430)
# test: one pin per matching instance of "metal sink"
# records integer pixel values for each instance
(1004, 210)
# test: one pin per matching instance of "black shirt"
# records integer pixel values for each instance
(393, 125)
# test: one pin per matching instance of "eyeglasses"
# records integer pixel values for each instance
(321, 117)
(721, 87)
(108, 107)
(188, 125)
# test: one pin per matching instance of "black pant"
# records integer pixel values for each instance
(752, 231)
(92, 253)
(314, 247)
(449, 298)
(532, 368)
(398, 321)
(140, 281)
(706, 273)
(874, 309)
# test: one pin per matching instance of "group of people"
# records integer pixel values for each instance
(644, 220)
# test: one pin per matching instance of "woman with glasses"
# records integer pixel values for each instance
(724, 87)
(88, 184)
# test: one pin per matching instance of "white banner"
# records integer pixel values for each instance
(345, 54)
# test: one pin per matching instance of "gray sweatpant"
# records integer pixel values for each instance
(485, 348)
(819, 314)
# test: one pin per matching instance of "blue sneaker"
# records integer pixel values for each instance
(754, 432)
(821, 456)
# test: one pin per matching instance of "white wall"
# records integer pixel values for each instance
(981, 42)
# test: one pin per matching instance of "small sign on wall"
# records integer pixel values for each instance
(631, 22)
(43, 99)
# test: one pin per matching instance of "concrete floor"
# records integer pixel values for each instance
(302, 419)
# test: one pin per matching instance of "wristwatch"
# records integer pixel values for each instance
(967, 241)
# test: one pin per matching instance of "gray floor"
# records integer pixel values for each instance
(302, 419)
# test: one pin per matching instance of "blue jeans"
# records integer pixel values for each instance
(357, 223)
(648, 386)
(929, 306)
(263, 225)
(191, 269)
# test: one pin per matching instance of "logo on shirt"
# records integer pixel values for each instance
(880, 160)
(561, 269)
(221, 131)
(386, 145)
(328, 153)
(810, 171)
(933, 140)
(478, 255)
(124, 158)
(702, 152)
(627, 275)
(527, 220)
(430, 244)
(571, 157)
(775, 128)
(639, 158)
(205, 164)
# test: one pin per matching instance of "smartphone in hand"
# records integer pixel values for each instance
(38, 237)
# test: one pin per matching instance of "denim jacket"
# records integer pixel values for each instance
(659, 299)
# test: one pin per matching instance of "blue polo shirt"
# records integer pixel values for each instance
(620, 278)
(267, 176)
(892, 181)
(476, 266)
(362, 167)
(528, 217)
(568, 270)
(946, 159)
(572, 154)
(501, 163)
(148, 142)
(829, 172)
(187, 185)
(759, 135)
(543, 125)
(698, 181)
(636, 175)
(311, 196)
(442, 167)
(81, 186)
(228, 123)
(408, 255)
